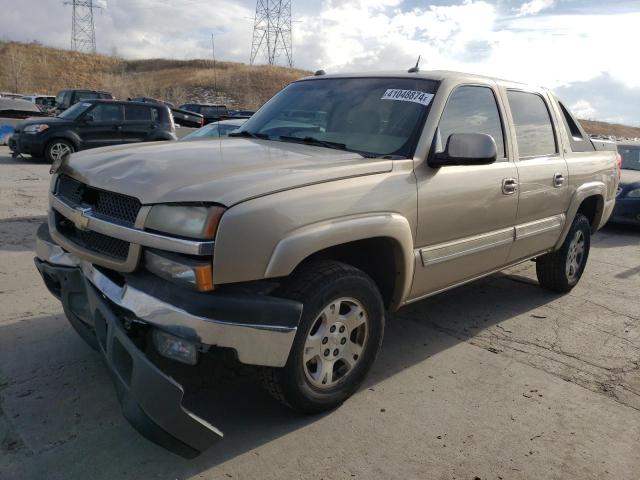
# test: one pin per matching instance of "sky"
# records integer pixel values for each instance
(583, 49)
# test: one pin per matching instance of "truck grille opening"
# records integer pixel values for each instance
(93, 241)
(107, 205)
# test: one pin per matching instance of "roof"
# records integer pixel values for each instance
(437, 75)
(17, 104)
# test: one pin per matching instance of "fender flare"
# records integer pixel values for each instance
(590, 189)
(303, 242)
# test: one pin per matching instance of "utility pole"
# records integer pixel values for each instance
(83, 32)
(213, 54)
(272, 31)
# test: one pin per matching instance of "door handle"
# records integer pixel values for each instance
(509, 186)
(558, 180)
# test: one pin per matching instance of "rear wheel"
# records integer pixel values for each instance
(57, 149)
(561, 270)
(338, 338)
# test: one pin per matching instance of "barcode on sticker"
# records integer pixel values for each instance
(408, 96)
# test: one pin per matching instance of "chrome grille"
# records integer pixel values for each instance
(108, 205)
(92, 241)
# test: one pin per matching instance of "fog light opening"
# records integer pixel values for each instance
(175, 348)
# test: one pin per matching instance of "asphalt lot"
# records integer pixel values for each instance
(496, 380)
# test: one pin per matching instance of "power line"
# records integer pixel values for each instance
(83, 32)
(272, 31)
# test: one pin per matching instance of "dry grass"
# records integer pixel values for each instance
(33, 68)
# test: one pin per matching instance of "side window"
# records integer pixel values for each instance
(472, 109)
(156, 116)
(85, 96)
(106, 112)
(137, 113)
(577, 136)
(532, 122)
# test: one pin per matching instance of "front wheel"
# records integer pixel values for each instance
(560, 271)
(57, 149)
(337, 341)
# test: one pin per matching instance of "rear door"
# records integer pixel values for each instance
(466, 213)
(542, 172)
(139, 122)
(101, 126)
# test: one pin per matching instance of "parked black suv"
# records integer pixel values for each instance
(68, 98)
(90, 124)
(210, 112)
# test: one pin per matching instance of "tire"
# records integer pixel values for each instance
(561, 270)
(57, 148)
(324, 287)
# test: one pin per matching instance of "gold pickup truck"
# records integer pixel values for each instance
(343, 198)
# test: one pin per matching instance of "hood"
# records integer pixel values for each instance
(629, 176)
(55, 121)
(225, 171)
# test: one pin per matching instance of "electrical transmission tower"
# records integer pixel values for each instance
(272, 31)
(83, 32)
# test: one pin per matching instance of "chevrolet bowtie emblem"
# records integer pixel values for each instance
(80, 217)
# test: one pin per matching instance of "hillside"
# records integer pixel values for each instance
(610, 129)
(33, 68)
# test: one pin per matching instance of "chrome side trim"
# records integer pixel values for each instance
(135, 235)
(472, 279)
(444, 252)
(539, 227)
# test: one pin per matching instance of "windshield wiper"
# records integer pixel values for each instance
(314, 141)
(247, 133)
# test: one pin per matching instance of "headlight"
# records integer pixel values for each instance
(185, 221)
(635, 193)
(196, 273)
(37, 128)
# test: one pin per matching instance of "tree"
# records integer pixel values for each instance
(16, 67)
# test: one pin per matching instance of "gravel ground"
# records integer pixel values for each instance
(495, 380)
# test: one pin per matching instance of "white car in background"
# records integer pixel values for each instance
(218, 129)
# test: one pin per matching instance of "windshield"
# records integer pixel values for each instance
(75, 111)
(371, 116)
(630, 157)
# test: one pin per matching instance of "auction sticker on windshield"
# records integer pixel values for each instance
(408, 96)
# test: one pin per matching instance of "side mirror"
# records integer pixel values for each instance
(466, 149)
(88, 119)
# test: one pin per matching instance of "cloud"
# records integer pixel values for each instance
(583, 109)
(534, 6)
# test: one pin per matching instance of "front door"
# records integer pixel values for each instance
(101, 126)
(542, 172)
(466, 214)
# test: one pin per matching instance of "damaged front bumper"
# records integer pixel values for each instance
(260, 329)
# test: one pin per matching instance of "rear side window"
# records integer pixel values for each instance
(137, 113)
(213, 111)
(191, 108)
(532, 122)
(86, 96)
(472, 109)
(577, 137)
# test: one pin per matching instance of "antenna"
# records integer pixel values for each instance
(416, 69)
(272, 31)
(83, 32)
